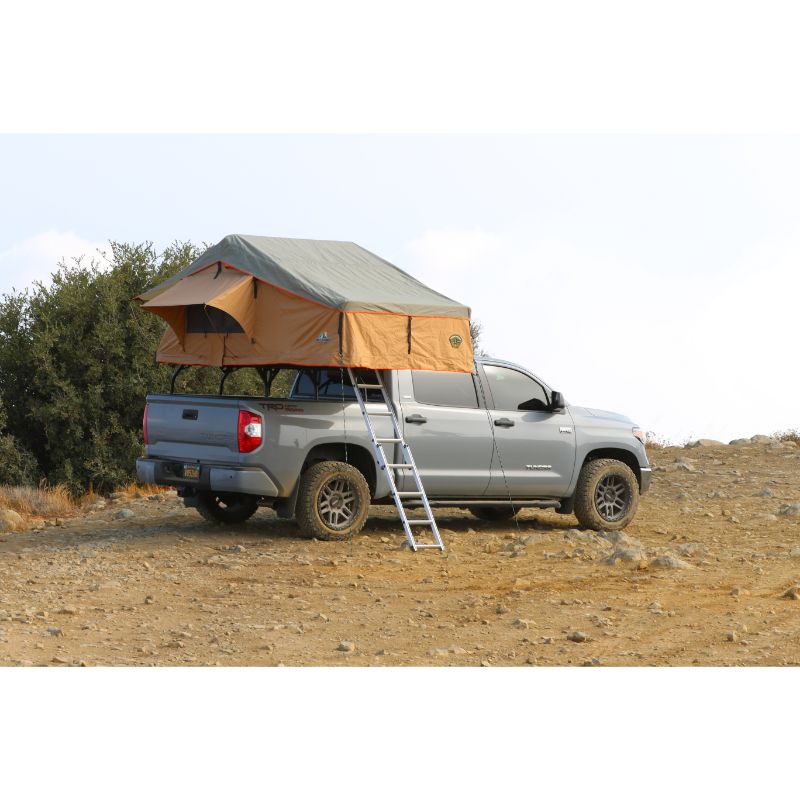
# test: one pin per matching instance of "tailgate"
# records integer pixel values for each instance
(193, 428)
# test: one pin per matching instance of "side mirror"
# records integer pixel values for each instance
(534, 404)
(557, 401)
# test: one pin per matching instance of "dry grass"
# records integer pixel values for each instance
(655, 442)
(790, 435)
(141, 489)
(46, 501)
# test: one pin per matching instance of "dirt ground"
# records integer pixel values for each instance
(698, 578)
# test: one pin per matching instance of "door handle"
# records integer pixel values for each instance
(504, 422)
(418, 419)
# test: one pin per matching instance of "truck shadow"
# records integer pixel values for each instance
(264, 526)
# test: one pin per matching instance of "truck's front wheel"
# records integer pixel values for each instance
(227, 507)
(607, 495)
(333, 500)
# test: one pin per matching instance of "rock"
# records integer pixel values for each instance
(730, 636)
(654, 607)
(630, 555)
(523, 623)
(345, 647)
(691, 548)
(620, 538)
(706, 443)
(577, 636)
(792, 593)
(794, 552)
(737, 442)
(10, 520)
(669, 562)
(765, 492)
(684, 464)
(443, 652)
(236, 548)
(791, 510)
(761, 439)
(737, 591)
(124, 513)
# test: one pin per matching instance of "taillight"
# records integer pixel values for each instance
(144, 424)
(251, 431)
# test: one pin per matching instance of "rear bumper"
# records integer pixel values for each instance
(647, 475)
(162, 472)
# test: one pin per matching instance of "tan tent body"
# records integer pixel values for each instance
(253, 300)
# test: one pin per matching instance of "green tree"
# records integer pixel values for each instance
(76, 361)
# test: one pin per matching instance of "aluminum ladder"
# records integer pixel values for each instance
(390, 468)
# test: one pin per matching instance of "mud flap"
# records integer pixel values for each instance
(567, 506)
(285, 506)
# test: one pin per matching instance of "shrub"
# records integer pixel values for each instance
(77, 359)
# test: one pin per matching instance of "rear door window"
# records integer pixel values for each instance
(455, 389)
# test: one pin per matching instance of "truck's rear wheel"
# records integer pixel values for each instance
(607, 495)
(227, 507)
(333, 500)
(494, 513)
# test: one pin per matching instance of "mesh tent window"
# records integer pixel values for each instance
(207, 319)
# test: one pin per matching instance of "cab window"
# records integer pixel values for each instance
(510, 388)
(334, 384)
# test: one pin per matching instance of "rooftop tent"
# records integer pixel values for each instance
(252, 300)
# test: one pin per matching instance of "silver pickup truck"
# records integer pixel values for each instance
(493, 442)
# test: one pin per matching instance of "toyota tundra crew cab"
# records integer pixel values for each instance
(494, 441)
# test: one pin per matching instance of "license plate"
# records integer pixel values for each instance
(191, 471)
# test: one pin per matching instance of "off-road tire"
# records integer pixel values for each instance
(229, 508)
(586, 500)
(316, 515)
(493, 513)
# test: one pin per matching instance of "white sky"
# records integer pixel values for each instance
(652, 275)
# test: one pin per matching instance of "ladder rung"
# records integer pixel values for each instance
(417, 498)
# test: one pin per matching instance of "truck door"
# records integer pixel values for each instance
(535, 449)
(448, 430)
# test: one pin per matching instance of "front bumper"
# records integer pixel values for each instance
(646, 477)
(242, 480)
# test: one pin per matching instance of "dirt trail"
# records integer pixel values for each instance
(697, 579)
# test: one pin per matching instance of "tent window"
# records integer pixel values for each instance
(207, 319)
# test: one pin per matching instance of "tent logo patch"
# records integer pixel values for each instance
(455, 341)
(323, 337)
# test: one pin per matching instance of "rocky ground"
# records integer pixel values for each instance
(706, 574)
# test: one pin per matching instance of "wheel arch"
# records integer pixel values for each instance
(353, 454)
(618, 454)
